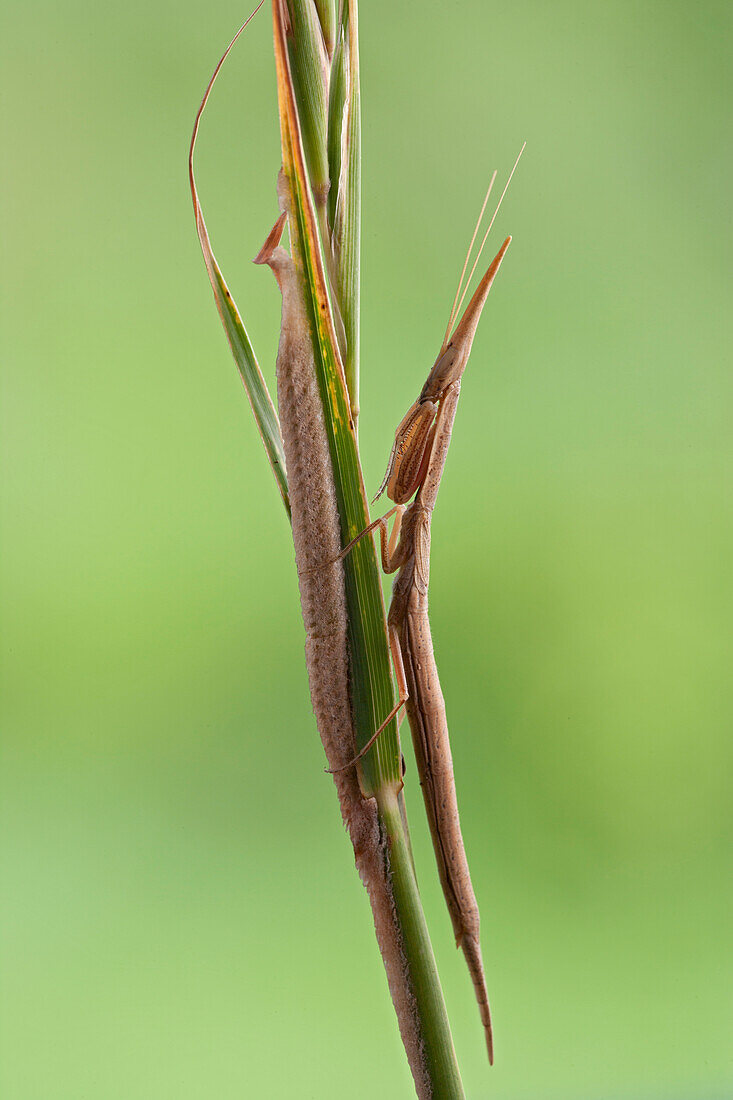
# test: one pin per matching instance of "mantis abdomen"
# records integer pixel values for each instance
(425, 706)
(426, 713)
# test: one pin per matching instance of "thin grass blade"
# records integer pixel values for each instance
(239, 341)
(347, 210)
(337, 92)
(327, 14)
(309, 67)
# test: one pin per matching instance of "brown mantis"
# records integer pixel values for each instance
(416, 467)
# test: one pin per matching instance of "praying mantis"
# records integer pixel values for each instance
(415, 468)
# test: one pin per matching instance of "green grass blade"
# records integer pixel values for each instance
(347, 210)
(327, 15)
(309, 67)
(240, 343)
(337, 91)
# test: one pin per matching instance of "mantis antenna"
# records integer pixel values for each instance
(483, 242)
(454, 308)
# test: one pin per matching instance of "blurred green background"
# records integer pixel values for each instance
(181, 917)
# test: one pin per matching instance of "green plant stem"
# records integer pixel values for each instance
(439, 1053)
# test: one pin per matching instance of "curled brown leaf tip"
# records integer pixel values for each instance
(272, 241)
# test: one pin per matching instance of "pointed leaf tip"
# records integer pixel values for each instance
(272, 241)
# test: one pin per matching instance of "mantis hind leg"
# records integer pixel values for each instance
(399, 668)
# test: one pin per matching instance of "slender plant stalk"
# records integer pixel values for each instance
(413, 977)
(440, 1068)
(316, 53)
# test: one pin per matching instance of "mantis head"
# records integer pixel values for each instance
(415, 435)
